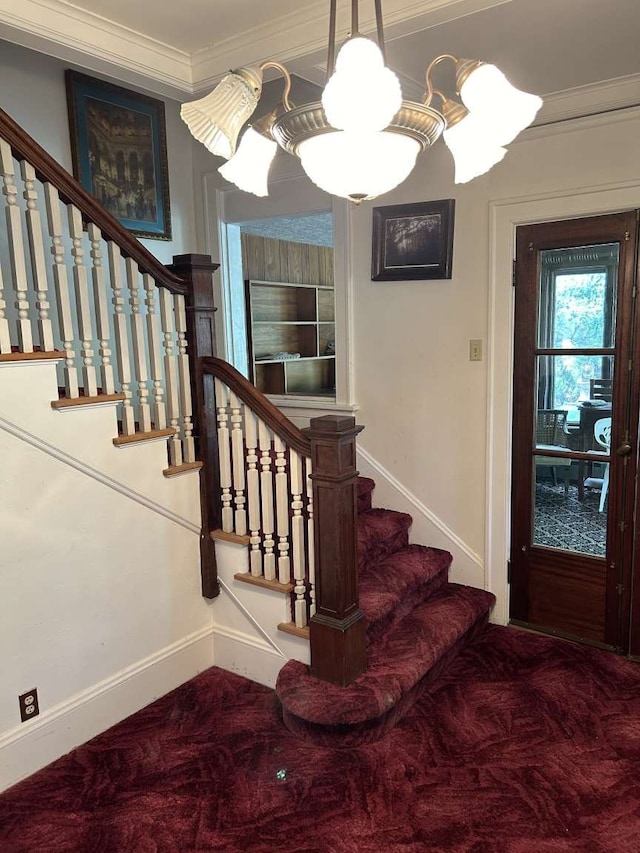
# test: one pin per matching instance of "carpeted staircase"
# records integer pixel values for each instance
(417, 623)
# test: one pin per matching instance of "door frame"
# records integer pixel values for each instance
(505, 215)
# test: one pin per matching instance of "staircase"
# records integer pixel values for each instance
(417, 623)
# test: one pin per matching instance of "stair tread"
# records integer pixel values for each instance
(388, 584)
(381, 532)
(397, 662)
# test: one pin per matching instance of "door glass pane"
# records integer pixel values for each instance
(578, 389)
(577, 298)
(577, 311)
(563, 518)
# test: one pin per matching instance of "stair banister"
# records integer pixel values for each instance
(337, 627)
(186, 338)
(72, 192)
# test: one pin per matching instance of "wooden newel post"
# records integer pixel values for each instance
(337, 631)
(197, 271)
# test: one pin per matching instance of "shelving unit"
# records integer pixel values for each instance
(294, 319)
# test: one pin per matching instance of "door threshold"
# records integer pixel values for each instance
(546, 631)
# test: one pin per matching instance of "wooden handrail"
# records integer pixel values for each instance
(258, 403)
(71, 192)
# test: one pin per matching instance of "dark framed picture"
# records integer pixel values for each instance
(119, 152)
(413, 241)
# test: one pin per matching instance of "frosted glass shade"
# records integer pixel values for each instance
(473, 154)
(216, 119)
(363, 94)
(358, 165)
(505, 110)
(249, 167)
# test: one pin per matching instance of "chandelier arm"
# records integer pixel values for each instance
(271, 63)
(331, 55)
(378, 7)
(430, 90)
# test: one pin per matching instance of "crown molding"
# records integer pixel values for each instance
(606, 96)
(61, 30)
(305, 32)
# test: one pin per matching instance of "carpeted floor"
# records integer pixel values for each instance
(529, 745)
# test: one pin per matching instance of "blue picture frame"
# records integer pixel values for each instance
(119, 153)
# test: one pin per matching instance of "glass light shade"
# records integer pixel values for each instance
(363, 94)
(505, 110)
(358, 165)
(249, 167)
(473, 154)
(216, 119)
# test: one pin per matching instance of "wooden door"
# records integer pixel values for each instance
(575, 430)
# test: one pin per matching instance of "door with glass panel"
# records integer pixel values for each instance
(574, 432)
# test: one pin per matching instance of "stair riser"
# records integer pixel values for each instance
(411, 599)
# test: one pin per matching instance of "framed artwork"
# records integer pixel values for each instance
(413, 241)
(119, 153)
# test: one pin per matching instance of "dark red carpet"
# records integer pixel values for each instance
(526, 745)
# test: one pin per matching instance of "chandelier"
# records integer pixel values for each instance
(362, 139)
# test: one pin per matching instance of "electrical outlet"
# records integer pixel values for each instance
(475, 350)
(28, 705)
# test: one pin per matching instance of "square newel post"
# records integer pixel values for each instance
(197, 271)
(337, 631)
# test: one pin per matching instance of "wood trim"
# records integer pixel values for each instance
(259, 404)
(176, 470)
(76, 402)
(292, 628)
(31, 356)
(137, 437)
(236, 538)
(276, 586)
(70, 190)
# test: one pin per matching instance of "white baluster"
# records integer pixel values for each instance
(237, 457)
(137, 339)
(5, 336)
(266, 491)
(155, 354)
(224, 455)
(16, 247)
(282, 510)
(83, 306)
(63, 297)
(297, 537)
(171, 373)
(38, 263)
(188, 444)
(100, 306)
(310, 540)
(253, 490)
(121, 338)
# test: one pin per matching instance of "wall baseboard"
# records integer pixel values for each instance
(31, 746)
(245, 655)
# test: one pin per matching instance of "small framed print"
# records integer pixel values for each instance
(413, 241)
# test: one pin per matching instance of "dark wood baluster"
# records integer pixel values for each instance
(338, 651)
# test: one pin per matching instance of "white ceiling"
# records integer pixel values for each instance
(177, 49)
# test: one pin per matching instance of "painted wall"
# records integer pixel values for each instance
(100, 610)
(32, 91)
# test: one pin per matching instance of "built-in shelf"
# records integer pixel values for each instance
(297, 319)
